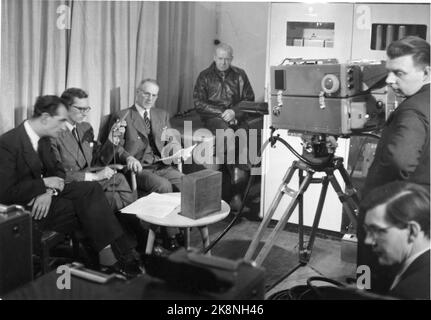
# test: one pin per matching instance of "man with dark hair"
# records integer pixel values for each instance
(218, 90)
(31, 176)
(397, 227)
(403, 152)
(83, 158)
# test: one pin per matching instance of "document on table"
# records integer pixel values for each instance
(155, 205)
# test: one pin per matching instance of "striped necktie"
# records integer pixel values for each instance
(75, 135)
(147, 121)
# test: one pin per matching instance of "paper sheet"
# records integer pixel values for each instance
(185, 153)
(155, 205)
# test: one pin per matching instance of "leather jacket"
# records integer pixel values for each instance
(215, 91)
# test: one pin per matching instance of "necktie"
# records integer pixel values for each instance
(41, 158)
(147, 122)
(75, 134)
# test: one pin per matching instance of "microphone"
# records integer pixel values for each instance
(118, 129)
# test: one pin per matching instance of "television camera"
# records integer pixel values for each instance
(321, 100)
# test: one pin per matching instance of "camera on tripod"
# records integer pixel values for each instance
(321, 97)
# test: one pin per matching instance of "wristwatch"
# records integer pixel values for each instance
(51, 191)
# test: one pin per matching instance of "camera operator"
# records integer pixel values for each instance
(397, 224)
(403, 152)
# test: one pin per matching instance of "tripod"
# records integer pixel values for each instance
(349, 200)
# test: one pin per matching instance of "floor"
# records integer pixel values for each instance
(325, 261)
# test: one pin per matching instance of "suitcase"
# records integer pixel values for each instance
(16, 265)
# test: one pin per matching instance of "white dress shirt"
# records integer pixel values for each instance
(34, 137)
(141, 111)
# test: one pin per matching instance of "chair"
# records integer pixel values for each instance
(46, 240)
(51, 239)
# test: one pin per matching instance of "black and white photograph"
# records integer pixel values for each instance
(232, 152)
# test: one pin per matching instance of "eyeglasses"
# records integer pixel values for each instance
(148, 94)
(82, 110)
(376, 232)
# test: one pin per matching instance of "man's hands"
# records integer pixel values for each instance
(41, 206)
(228, 115)
(117, 131)
(133, 164)
(54, 183)
(105, 173)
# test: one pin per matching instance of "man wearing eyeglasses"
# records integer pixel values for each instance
(147, 140)
(83, 158)
(397, 228)
(144, 142)
(402, 153)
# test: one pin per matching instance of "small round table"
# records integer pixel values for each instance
(174, 219)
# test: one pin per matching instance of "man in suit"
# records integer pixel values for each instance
(397, 227)
(32, 177)
(83, 158)
(146, 141)
(218, 90)
(403, 152)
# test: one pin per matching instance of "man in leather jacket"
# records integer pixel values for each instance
(218, 90)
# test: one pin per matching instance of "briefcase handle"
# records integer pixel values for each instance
(12, 208)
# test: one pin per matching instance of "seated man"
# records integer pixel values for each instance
(76, 149)
(397, 227)
(31, 176)
(143, 145)
(218, 89)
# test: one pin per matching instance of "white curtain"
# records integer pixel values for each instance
(33, 57)
(186, 35)
(105, 49)
(113, 45)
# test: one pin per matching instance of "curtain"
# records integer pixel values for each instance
(33, 57)
(105, 49)
(113, 45)
(186, 31)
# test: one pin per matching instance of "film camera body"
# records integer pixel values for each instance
(325, 97)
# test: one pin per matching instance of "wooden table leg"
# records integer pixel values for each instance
(205, 237)
(150, 240)
(187, 238)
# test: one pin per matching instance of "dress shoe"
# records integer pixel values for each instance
(158, 250)
(235, 205)
(129, 264)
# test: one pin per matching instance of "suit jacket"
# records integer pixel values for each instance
(75, 162)
(415, 281)
(21, 168)
(136, 141)
(403, 151)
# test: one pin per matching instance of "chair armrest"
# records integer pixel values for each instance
(133, 183)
